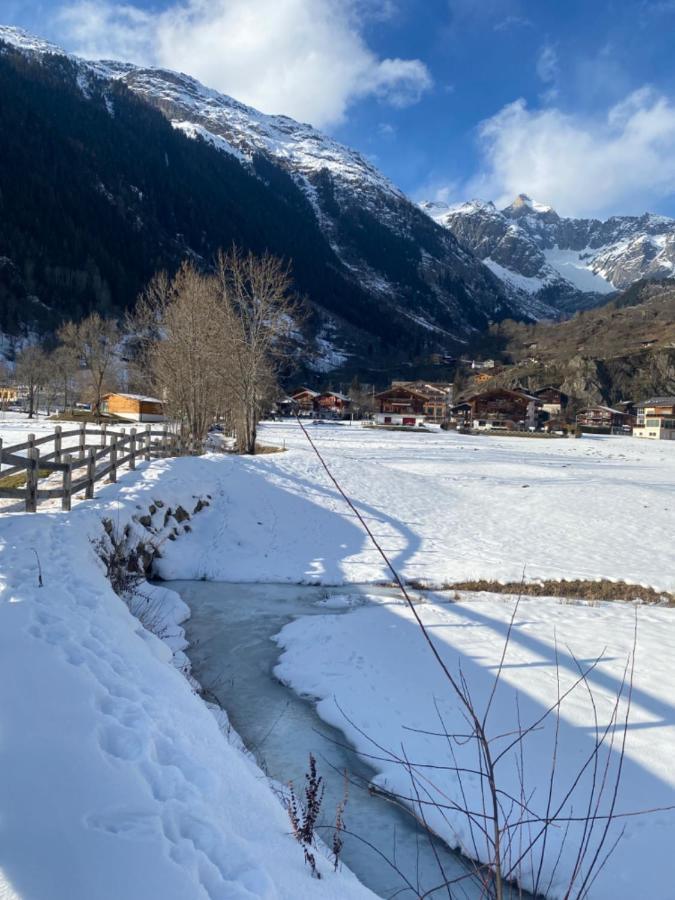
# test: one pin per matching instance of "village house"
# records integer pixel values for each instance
(482, 378)
(656, 419)
(133, 407)
(8, 395)
(553, 401)
(428, 400)
(304, 399)
(333, 404)
(602, 419)
(498, 409)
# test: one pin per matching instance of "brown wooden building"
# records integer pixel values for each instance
(134, 407)
(553, 401)
(602, 419)
(332, 403)
(499, 408)
(304, 399)
(416, 398)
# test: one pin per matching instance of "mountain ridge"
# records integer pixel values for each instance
(562, 263)
(410, 281)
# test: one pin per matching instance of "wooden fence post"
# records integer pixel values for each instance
(67, 483)
(148, 441)
(82, 439)
(57, 443)
(132, 449)
(32, 478)
(91, 475)
(104, 431)
(165, 441)
(113, 458)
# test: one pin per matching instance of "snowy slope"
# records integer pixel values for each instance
(561, 261)
(116, 780)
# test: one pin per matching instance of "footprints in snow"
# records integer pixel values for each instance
(134, 730)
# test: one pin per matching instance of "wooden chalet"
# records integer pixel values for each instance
(602, 419)
(553, 401)
(304, 399)
(417, 398)
(500, 408)
(133, 407)
(332, 403)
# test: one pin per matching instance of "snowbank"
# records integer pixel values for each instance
(377, 681)
(115, 778)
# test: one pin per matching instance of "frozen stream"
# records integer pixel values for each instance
(233, 655)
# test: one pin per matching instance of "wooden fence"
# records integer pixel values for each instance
(111, 450)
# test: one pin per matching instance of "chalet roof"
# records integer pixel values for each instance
(549, 387)
(656, 401)
(305, 390)
(605, 408)
(512, 393)
(426, 390)
(142, 398)
(336, 394)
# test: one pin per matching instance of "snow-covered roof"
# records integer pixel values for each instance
(605, 408)
(142, 398)
(657, 401)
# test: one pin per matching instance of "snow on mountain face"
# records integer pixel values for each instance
(412, 269)
(561, 263)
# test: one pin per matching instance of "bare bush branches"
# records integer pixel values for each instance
(304, 815)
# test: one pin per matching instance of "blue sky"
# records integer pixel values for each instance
(572, 102)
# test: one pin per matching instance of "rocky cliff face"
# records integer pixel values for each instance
(624, 350)
(560, 264)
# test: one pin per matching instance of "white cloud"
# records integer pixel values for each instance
(304, 58)
(547, 64)
(620, 162)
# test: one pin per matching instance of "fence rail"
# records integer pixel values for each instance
(112, 448)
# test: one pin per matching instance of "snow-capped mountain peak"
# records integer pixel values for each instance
(23, 40)
(524, 205)
(561, 263)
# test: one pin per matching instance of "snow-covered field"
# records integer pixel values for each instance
(377, 681)
(446, 507)
(115, 778)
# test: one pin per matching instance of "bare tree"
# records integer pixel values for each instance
(31, 373)
(64, 366)
(181, 329)
(261, 314)
(212, 343)
(94, 342)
